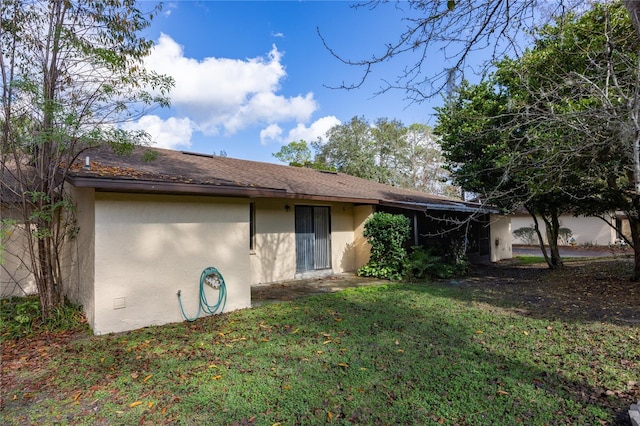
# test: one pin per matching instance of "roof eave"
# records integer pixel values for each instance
(446, 206)
(156, 187)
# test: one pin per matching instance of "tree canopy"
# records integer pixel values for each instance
(556, 128)
(71, 72)
(385, 151)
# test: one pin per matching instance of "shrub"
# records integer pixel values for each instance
(564, 235)
(386, 233)
(21, 317)
(527, 234)
(426, 263)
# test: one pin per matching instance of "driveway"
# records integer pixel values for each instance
(594, 251)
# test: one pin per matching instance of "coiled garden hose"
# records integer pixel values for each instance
(213, 278)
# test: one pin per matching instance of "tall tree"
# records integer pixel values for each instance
(71, 73)
(296, 153)
(387, 152)
(349, 148)
(596, 76)
(573, 99)
(423, 163)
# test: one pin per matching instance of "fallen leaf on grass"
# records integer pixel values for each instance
(218, 377)
(343, 364)
(135, 404)
(148, 377)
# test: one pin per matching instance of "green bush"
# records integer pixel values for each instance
(426, 263)
(386, 233)
(21, 317)
(527, 234)
(564, 235)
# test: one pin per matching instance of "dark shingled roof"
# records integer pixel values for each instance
(180, 172)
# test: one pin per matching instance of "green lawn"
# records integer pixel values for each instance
(390, 354)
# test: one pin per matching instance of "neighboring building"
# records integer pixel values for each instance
(146, 230)
(585, 230)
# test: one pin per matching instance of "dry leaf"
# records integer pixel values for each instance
(135, 404)
(148, 377)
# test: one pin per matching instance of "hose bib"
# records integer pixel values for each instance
(213, 279)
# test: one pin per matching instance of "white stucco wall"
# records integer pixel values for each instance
(585, 229)
(274, 257)
(79, 254)
(147, 248)
(15, 276)
(362, 247)
(500, 232)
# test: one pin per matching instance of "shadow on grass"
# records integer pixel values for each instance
(391, 354)
(442, 353)
(584, 290)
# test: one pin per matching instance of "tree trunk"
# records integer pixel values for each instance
(634, 224)
(553, 229)
(543, 249)
(633, 8)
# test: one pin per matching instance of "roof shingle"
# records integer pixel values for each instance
(183, 172)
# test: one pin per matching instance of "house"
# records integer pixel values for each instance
(147, 229)
(585, 230)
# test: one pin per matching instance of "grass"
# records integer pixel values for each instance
(531, 260)
(389, 354)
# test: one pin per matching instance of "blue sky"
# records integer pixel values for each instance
(252, 76)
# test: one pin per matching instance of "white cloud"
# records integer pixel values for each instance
(170, 133)
(272, 132)
(167, 9)
(316, 130)
(221, 95)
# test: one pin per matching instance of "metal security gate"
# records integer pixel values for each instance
(313, 242)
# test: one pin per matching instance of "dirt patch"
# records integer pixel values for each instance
(583, 290)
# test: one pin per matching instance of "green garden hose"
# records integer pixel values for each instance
(213, 278)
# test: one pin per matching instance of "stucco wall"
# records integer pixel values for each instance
(500, 233)
(15, 276)
(585, 230)
(79, 254)
(274, 257)
(147, 248)
(361, 246)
